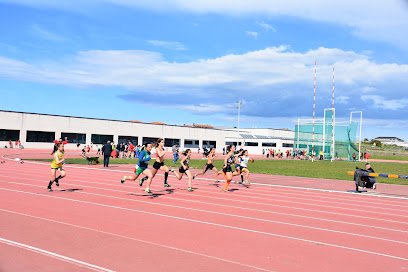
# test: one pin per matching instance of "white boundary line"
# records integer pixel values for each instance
(54, 255)
(228, 206)
(137, 240)
(261, 184)
(298, 208)
(215, 224)
(226, 214)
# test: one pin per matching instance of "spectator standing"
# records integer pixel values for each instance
(106, 150)
(175, 150)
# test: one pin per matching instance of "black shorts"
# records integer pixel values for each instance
(58, 168)
(182, 170)
(209, 167)
(242, 167)
(237, 167)
(227, 169)
(157, 165)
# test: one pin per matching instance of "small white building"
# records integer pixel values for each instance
(39, 130)
(392, 141)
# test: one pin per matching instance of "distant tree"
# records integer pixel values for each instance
(376, 143)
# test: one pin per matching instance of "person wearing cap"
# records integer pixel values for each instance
(362, 178)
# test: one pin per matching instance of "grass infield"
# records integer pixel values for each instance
(316, 169)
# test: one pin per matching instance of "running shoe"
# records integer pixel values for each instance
(141, 181)
(194, 176)
(166, 184)
(49, 188)
(147, 190)
(190, 189)
(122, 180)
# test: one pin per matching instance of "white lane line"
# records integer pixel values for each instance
(213, 224)
(137, 240)
(225, 214)
(289, 207)
(256, 183)
(54, 255)
(286, 194)
(222, 205)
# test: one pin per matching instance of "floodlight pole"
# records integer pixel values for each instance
(361, 130)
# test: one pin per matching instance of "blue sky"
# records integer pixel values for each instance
(184, 62)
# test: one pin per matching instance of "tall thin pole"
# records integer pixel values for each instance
(361, 139)
(314, 111)
(333, 116)
(239, 110)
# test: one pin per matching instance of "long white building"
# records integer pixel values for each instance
(39, 130)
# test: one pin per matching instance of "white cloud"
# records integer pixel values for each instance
(252, 34)
(203, 108)
(382, 103)
(266, 26)
(172, 45)
(378, 21)
(342, 99)
(256, 69)
(45, 34)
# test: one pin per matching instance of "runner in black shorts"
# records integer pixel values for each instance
(159, 163)
(209, 165)
(227, 169)
(184, 169)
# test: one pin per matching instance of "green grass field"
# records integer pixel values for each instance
(317, 169)
(390, 157)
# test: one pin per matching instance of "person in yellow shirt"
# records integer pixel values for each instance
(321, 155)
(56, 164)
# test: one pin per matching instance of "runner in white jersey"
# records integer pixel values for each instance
(244, 167)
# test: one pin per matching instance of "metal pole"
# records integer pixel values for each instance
(239, 109)
(349, 147)
(361, 129)
(333, 116)
(361, 139)
(297, 139)
(314, 111)
(324, 132)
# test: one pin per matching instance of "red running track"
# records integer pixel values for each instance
(92, 222)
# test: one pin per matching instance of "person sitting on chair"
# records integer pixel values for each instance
(362, 178)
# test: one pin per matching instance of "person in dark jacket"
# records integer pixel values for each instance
(106, 150)
(362, 178)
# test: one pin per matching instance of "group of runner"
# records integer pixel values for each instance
(239, 159)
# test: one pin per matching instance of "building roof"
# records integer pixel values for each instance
(388, 139)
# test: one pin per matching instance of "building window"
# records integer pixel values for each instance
(251, 144)
(207, 143)
(125, 139)
(191, 143)
(269, 144)
(233, 143)
(76, 138)
(149, 140)
(287, 145)
(101, 139)
(170, 142)
(40, 136)
(9, 134)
